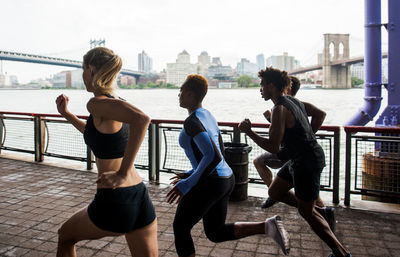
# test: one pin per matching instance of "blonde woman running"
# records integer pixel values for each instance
(114, 131)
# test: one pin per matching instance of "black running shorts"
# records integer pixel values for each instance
(123, 209)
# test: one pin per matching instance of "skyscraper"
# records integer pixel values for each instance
(145, 63)
(260, 61)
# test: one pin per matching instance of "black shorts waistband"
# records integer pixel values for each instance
(129, 188)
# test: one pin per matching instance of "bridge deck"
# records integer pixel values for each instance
(35, 199)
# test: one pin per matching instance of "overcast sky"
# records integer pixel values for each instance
(228, 29)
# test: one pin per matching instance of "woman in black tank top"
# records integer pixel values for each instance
(289, 125)
(114, 132)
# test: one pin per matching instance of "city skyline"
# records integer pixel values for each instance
(202, 66)
(225, 29)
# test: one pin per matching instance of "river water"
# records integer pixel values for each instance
(225, 104)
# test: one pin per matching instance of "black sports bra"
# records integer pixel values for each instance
(106, 146)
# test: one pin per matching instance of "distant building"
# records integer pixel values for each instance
(296, 64)
(145, 63)
(4, 80)
(127, 80)
(260, 61)
(62, 80)
(76, 79)
(203, 62)
(178, 71)
(69, 79)
(282, 62)
(357, 70)
(39, 83)
(8, 80)
(162, 77)
(153, 78)
(14, 80)
(219, 72)
(216, 61)
(311, 77)
(245, 67)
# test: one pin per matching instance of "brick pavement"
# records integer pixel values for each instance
(35, 199)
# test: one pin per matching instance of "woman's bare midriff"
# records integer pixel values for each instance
(105, 165)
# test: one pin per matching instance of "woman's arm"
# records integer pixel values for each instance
(62, 108)
(207, 163)
(115, 109)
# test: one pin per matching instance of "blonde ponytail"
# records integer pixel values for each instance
(107, 65)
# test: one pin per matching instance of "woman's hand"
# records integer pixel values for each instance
(174, 195)
(178, 176)
(245, 125)
(110, 179)
(62, 104)
(267, 115)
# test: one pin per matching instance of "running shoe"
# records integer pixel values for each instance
(279, 233)
(268, 203)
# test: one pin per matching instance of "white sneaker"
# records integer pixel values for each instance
(274, 229)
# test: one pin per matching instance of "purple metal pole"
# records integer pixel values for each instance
(372, 64)
(392, 111)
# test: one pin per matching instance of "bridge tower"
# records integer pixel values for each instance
(336, 47)
(95, 43)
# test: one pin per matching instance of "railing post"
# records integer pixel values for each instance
(39, 129)
(1, 132)
(89, 158)
(236, 135)
(336, 166)
(347, 170)
(154, 152)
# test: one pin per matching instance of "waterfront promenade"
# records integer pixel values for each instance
(35, 199)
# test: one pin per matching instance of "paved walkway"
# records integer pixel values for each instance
(35, 199)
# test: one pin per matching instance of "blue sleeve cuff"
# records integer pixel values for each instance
(183, 186)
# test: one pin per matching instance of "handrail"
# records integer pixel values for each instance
(41, 114)
(355, 129)
(235, 124)
(161, 121)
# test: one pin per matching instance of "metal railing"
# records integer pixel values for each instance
(171, 157)
(51, 135)
(372, 163)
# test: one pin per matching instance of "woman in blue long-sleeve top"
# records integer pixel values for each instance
(203, 192)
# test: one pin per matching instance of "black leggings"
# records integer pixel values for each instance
(208, 200)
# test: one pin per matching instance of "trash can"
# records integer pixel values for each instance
(237, 157)
(381, 173)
